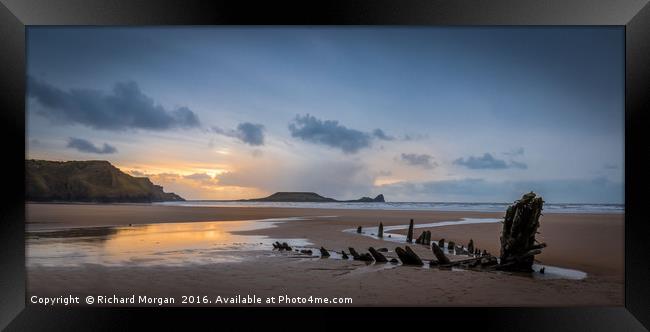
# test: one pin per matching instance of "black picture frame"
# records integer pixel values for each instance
(15, 15)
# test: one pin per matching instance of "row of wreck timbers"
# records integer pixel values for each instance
(518, 244)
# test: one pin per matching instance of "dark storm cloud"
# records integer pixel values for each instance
(125, 107)
(332, 134)
(487, 161)
(249, 133)
(83, 145)
(421, 160)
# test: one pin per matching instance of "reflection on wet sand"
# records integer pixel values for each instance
(180, 244)
(154, 244)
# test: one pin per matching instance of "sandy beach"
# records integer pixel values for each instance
(592, 243)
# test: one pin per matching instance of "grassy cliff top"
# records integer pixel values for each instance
(88, 181)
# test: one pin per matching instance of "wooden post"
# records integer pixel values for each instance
(409, 236)
(380, 233)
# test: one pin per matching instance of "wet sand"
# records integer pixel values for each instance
(572, 242)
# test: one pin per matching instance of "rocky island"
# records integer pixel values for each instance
(88, 181)
(310, 197)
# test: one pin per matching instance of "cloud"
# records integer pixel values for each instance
(162, 178)
(198, 176)
(487, 161)
(516, 164)
(380, 134)
(137, 173)
(421, 160)
(201, 179)
(385, 173)
(589, 190)
(249, 133)
(414, 137)
(330, 133)
(125, 107)
(171, 177)
(83, 145)
(516, 152)
(341, 179)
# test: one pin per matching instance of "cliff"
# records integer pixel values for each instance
(88, 181)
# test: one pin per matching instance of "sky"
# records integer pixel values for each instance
(419, 114)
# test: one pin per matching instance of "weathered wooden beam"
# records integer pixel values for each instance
(440, 255)
(401, 253)
(354, 253)
(324, 253)
(420, 239)
(484, 261)
(408, 257)
(520, 224)
(366, 257)
(415, 258)
(379, 258)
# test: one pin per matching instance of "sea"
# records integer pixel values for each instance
(417, 206)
